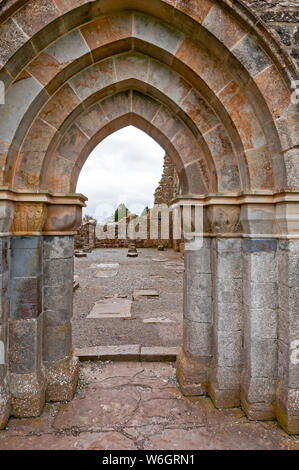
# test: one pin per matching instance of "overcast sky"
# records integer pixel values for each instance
(125, 168)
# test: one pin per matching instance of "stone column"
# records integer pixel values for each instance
(26, 375)
(60, 364)
(287, 398)
(260, 330)
(227, 264)
(4, 315)
(193, 362)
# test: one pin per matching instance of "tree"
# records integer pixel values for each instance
(145, 211)
(121, 212)
(88, 218)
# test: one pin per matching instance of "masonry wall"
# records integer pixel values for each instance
(282, 18)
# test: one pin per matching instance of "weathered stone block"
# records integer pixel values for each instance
(25, 346)
(228, 264)
(4, 404)
(25, 262)
(228, 317)
(229, 291)
(261, 294)
(260, 267)
(261, 323)
(56, 271)
(198, 309)
(58, 247)
(27, 394)
(26, 298)
(225, 378)
(198, 284)
(198, 338)
(228, 348)
(62, 378)
(192, 374)
(261, 357)
(57, 342)
(198, 261)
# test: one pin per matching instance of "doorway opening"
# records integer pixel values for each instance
(128, 273)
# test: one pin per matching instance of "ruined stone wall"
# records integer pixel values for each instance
(282, 18)
(166, 190)
(85, 237)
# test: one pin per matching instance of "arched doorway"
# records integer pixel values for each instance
(208, 82)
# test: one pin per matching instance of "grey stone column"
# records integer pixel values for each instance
(4, 315)
(260, 328)
(193, 363)
(287, 399)
(26, 376)
(60, 364)
(227, 267)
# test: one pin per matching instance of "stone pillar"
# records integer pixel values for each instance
(260, 328)
(60, 364)
(194, 359)
(4, 315)
(287, 399)
(225, 376)
(26, 376)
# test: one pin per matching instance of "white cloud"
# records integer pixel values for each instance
(126, 167)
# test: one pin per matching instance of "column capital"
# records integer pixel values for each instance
(39, 213)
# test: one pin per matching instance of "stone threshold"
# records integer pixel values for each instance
(131, 352)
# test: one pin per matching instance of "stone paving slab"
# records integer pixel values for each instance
(114, 308)
(130, 352)
(138, 405)
(148, 293)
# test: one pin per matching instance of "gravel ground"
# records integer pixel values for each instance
(165, 274)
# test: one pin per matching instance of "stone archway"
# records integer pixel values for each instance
(209, 83)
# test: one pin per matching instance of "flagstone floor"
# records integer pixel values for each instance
(133, 405)
(154, 320)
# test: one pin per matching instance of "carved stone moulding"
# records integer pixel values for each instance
(62, 218)
(224, 219)
(29, 218)
(28, 214)
(256, 215)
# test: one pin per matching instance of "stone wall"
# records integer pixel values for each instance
(166, 190)
(282, 18)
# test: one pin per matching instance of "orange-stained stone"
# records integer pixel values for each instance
(243, 116)
(199, 111)
(197, 9)
(66, 5)
(60, 106)
(144, 105)
(223, 26)
(44, 68)
(72, 143)
(94, 78)
(117, 105)
(59, 174)
(131, 65)
(107, 29)
(168, 82)
(274, 91)
(35, 15)
(4, 147)
(260, 168)
(203, 64)
(186, 145)
(92, 120)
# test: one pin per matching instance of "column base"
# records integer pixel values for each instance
(287, 409)
(27, 394)
(192, 375)
(257, 411)
(224, 398)
(4, 405)
(62, 379)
